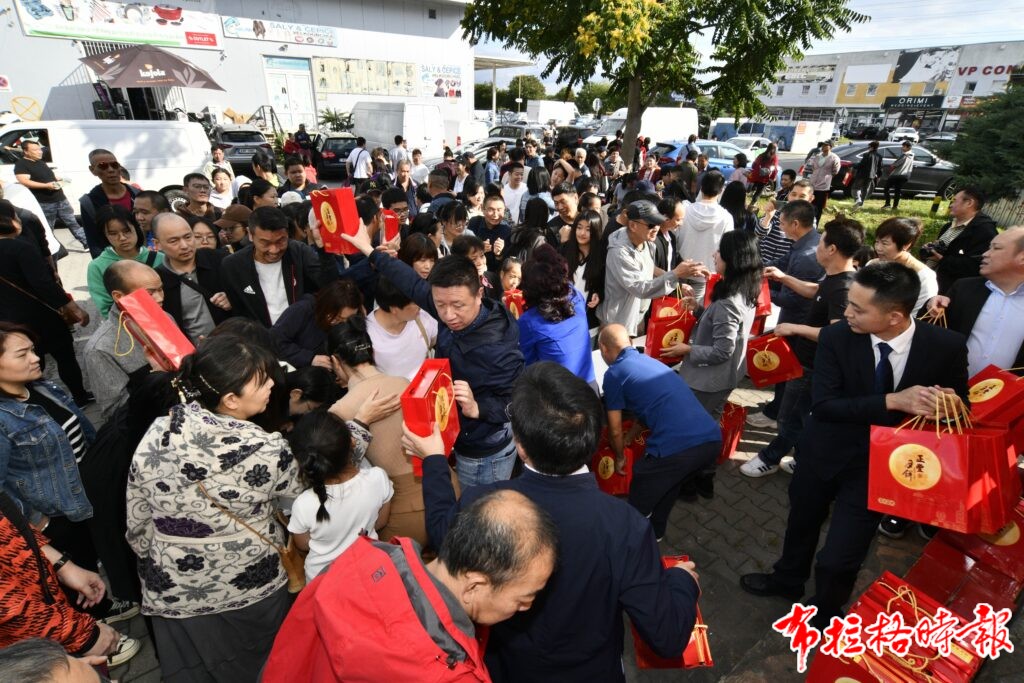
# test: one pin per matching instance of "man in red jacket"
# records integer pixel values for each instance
(379, 613)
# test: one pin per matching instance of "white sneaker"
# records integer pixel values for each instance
(756, 467)
(126, 649)
(761, 421)
(787, 464)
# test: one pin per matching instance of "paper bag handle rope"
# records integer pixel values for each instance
(938, 319)
(121, 325)
(236, 519)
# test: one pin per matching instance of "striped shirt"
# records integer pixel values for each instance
(771, 241)
(67, 420)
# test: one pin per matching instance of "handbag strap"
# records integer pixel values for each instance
(423, 332)
(28, 294)
(189, 283)
(238, 520)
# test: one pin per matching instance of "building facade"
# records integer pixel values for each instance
(300, 57)
(931, 89)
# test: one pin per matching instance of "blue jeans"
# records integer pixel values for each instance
(793, 410)
(488, 469)
(63, 211)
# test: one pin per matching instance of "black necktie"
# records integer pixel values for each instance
(884, 383)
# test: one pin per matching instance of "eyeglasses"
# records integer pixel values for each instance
(200, 187)
(204, 239)
(108, 166)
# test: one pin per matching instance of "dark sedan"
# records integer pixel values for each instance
(931, 175)
(330, 152)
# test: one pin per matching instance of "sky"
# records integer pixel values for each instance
(898, 24)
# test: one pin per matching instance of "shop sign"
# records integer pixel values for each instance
(280, 32)
(115, 22)
(911, 102)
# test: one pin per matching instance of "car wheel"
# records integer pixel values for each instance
(948, 190)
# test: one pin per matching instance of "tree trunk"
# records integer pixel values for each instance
(635, 109)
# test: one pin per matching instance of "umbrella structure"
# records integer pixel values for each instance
(147, 66)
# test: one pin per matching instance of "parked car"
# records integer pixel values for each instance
(240, 142)
(868, 132)
(904, 133)
(931, 175)
(719, 154)
(751, 145)
(572, 136)
(943, 137)
(330, 152)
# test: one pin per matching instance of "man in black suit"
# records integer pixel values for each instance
(875, 368)
(666, 256)
(957, 251)
(608, 560)
(989, 310)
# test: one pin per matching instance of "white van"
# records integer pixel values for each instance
(157, 154)
(460, 133)
(660, 124)
(420, 124)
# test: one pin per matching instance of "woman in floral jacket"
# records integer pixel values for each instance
(215, 589)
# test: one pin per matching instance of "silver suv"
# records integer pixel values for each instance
(240, 142)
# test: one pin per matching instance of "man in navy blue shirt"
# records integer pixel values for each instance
(608, 560)
(684, 439)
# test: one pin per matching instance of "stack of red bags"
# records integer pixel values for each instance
(997, 399)
(671, 323)
(603, 463)
(734, 417)
(697, 652)
(921, 662)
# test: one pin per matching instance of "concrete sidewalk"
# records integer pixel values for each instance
(739, 531)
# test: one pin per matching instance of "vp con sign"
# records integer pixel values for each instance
(985, 70)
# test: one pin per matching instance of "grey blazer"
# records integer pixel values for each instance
(719, 342)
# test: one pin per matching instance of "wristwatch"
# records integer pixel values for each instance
(61, 561)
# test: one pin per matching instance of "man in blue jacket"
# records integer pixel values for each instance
(608, 561)
(481, 340)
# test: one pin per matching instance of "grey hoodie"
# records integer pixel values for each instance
(702, 229)
(903, 166)
(630, 282)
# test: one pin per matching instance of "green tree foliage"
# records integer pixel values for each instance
(532, 89)
(565, 94)
(645, 48)
(482, 95)
(599, 89)
(989, 152)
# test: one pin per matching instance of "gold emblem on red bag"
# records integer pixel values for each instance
(668, 312)
(1008, 535)
(915, 467)
(328, 218)
(766, 360)
(606, 467)
(673, 337)
(986, 389)
(442, 408)
(846, 679)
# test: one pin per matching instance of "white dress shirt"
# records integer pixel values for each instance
(998, 332)
(900, 351)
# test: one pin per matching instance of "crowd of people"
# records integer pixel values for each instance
(271, 514)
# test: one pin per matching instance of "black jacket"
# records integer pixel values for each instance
(843, 402)
(963, 255)
(91, 202)
(300, 266)
(486, 355)
(966, 298)
(208, 274)
(608, 563)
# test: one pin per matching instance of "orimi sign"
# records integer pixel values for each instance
(909, 102)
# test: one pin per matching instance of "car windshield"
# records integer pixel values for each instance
(340, 144)
(610, 126)
(243, 136)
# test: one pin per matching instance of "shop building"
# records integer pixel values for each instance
(931, 89)
(300, 57)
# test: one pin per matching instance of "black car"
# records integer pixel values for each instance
(240, 142)
(572, 136)
(931, 175)
(330, 152)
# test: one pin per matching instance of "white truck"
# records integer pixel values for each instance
(420, 124)
(660, 124)
(551, 111)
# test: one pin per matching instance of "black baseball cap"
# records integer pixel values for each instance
(645, 212)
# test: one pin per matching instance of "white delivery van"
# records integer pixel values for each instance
(660, 124)
(548, 111)
(420, 124)
(460, 133)
(157, 154)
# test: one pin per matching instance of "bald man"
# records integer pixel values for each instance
(111, 361)
(684, 440)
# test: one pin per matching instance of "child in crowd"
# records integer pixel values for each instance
(342, 501)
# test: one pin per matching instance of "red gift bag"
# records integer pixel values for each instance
(1003, 550)
(672, 326)
(336, 212)
(960, 582)
(770, 360)
(709, 288)
(697, 652)
(764, 300)
(428, 400)
(150, 325)
(603, 462)
(956, 481)
(996, 395)
(734, 417)
(392, 225)
(514, 302)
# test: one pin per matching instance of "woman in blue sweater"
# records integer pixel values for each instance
(554, 325)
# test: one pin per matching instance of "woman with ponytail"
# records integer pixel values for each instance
(343, 501)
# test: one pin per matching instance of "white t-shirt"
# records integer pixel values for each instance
(357, 159)
(513, 197)
(401, 355)
(419, 173)
(352, 505)
(272, 284)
